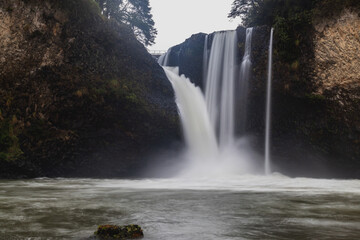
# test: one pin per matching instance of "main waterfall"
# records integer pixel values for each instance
(219, 85)
(208, 120)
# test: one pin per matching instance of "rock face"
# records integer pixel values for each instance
(189, 57)
(315, 108)
(337, 47)
(119, 232)
(79, 95)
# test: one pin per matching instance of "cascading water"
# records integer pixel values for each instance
(198, 132)
(268, 108)
(244, 82)
(212, 84)
(209, 121)
(220, 83)
(164, 59)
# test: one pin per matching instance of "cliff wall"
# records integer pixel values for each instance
(79, 95)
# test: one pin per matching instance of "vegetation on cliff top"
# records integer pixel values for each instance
(135, 13)
(292, 19)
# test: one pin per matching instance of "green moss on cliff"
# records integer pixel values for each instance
(9, 142)
(333, 8)
(97, 85)
(289, 34)
(81, 10)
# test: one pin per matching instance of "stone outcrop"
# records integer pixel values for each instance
(79, 95)
(337, 47)
(189, 57)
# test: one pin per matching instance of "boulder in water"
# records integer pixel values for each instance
(119, 232)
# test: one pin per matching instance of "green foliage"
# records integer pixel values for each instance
(289, 34)
(9, 143)
(114, 89)
(81, 10)
(290, 18)
(264, 12)
(315, 97)
(330, 8)
(135, 13)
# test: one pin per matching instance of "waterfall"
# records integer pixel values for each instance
(164, 59)
(244, 81)
(268, 107)
(219, 86)
(212, 84)
(208, 120)
(199, 135)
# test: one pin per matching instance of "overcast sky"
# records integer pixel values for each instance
(177, 20)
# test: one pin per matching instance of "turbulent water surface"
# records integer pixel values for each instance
(239, 207)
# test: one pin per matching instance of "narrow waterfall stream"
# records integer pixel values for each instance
(164, 59)
(268, 108)
(244, 82)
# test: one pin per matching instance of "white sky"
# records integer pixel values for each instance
(177, 20)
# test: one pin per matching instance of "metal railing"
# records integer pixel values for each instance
(157, 52)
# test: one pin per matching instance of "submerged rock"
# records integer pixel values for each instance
(119, 232)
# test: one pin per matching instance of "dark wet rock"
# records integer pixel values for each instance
(113, 232)
(188, 56)
(79, 95)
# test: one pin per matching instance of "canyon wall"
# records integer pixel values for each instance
(79, 95)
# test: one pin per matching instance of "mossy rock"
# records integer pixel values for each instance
(119, 232)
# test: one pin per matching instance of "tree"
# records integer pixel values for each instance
(265, 12)
(292, 20)
(245, 9)
(135, 13)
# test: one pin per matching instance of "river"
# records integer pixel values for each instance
(231, 207)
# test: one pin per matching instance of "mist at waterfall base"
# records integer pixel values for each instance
(208, 118)
(202, 155)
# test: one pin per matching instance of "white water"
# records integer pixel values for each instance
(209, 124)
(232, 208)
(219, 86)
(227, 101)
(164, 59)
(244, 81)
(203, 156)
(212, 84)
(268, 108)
(199, 135)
